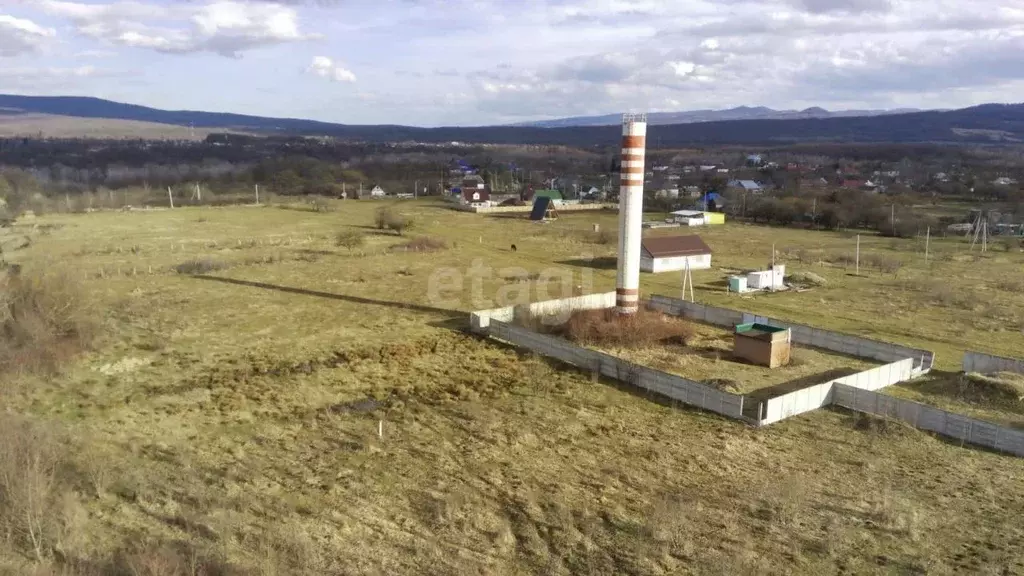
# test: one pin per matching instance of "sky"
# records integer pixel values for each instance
(479, 62)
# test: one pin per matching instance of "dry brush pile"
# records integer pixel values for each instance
(608, 328)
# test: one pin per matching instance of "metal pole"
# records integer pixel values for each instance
(257, 193)
(170, 197)
(927, 241)
(858, 254)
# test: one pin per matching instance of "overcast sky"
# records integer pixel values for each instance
(470, 62)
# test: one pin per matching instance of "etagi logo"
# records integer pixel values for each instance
(447, 286)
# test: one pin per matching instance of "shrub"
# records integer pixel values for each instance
(199, 266)
(422, 244)
(350, 239)
(387, 219)
(400, 223)
(44, 319)
(382, 217)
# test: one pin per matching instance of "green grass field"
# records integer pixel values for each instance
(238, 412)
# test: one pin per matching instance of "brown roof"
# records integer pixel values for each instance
(670, 246)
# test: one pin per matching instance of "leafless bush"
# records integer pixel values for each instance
(350, 239)
(44, 320)
(421, 244)
(37, 512)
(606, 327)
(199, 266)
(387, 219)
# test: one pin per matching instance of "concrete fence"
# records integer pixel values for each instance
(988, 364)
(668, 385)
(806, 335)
(956, 426)
(480, 319)
(821, 395)
(855, 392)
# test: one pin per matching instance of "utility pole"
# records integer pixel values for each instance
(858, 255)
(170, 197)
(416, 189)
(927, 241)
(257, 194)
(814, 210)
(892, 218)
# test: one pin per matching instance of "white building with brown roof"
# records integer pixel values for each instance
(673, 253)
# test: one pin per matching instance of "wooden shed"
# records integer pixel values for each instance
(762, 344)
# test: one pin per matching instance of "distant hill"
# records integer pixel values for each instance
(740, 113)
(990, 123)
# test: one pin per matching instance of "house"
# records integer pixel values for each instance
(941, 177)
(746, 185)
(754, 159)
(377, 191)
(707, 167)
(473, 182)
(691, 191)
(673, 253)
(722, 170)
(853, 183)
(1004, 181)
(475, 197)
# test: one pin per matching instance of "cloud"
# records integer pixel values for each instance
(20, 36)
(225, 27)
(844, 6)
(324, 67)
(571, 57)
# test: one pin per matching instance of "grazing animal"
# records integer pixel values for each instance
(513, 247)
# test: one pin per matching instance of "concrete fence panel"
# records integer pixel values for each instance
(587, 302)
(797, 402)
(988, 364)
(955, 426)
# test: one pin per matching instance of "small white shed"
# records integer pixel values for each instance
(689, 217)
(771, 279)
(673, 253)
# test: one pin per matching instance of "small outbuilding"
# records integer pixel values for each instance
(688, 217)
(673, 253)
(762, 344)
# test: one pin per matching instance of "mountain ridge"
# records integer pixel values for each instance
(707, 115)
(987, 123)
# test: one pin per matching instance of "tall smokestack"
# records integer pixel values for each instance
(631, 200)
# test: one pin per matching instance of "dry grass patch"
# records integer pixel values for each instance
(606, 327)
(999, 387)
(421, 244)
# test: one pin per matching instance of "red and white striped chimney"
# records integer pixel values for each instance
(631, 200)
